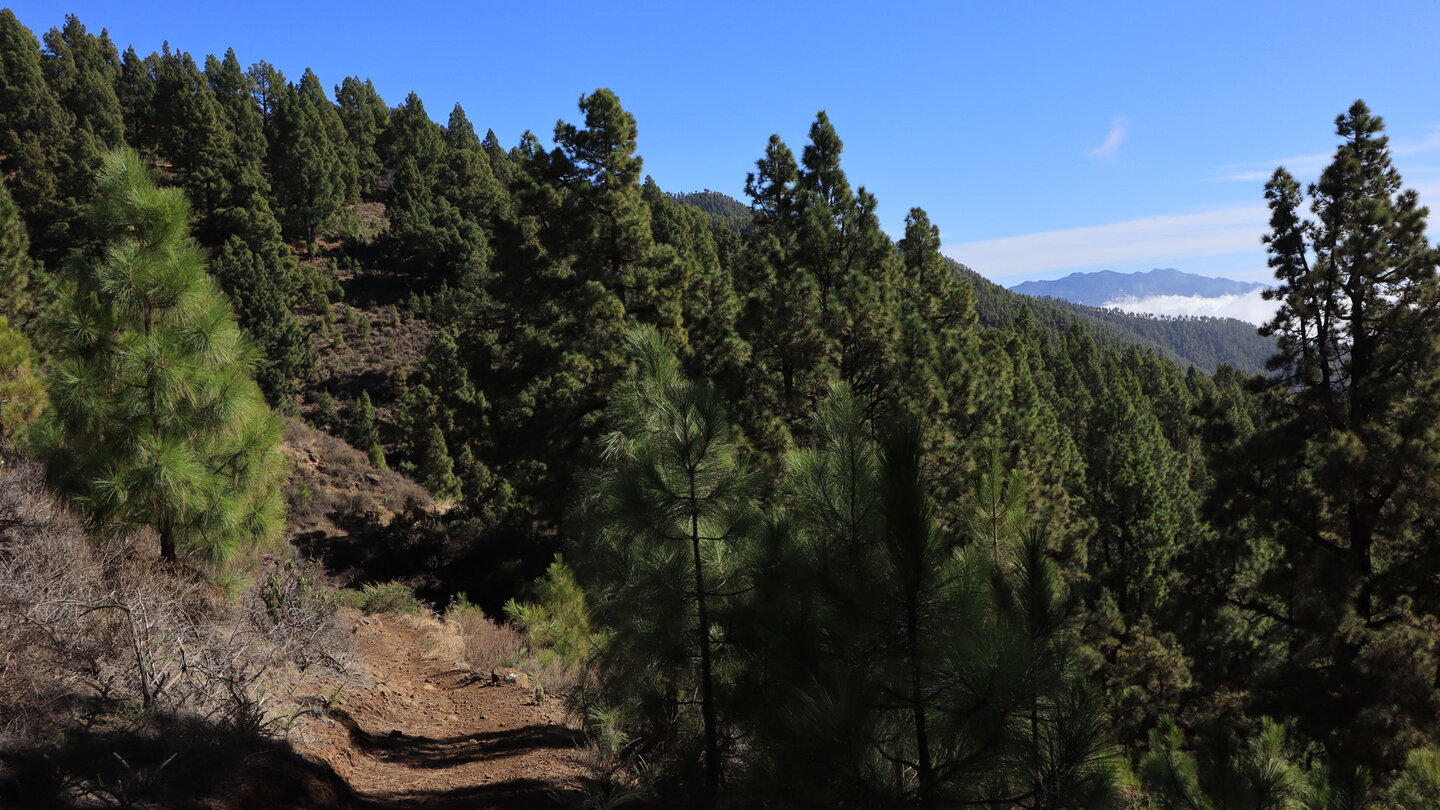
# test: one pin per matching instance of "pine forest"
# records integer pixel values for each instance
(761, 507)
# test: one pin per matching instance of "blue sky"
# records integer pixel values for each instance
(1041, 137)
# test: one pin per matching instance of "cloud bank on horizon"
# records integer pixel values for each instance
(1250, 307)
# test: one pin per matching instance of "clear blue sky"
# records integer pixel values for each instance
(1042, 138)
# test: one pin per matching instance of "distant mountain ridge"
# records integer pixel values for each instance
(1106, 286)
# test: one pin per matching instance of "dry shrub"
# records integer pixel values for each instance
(295, 609)
(45, 666)
(99, 630)
(490, 644)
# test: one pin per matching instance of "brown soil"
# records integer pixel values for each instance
(418, 729)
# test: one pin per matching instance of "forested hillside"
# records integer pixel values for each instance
(817, 518)
(1203, 341)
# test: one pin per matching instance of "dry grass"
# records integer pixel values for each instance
(489, 645)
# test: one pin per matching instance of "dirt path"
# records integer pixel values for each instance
(422, 731)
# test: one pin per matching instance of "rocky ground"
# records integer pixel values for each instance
(415, 728)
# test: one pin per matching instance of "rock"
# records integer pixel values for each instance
(506, 676)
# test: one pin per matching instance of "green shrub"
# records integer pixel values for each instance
(383, 597)
(558, 619)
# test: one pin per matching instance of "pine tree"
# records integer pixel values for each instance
(430, 236)
(267, 85)
(1419, 785)
(466, 180)
(365, 117)
(1333, 493)
(1138, 491)
(1224, 771)
(22, 396)
(155, 419)
(34, 130)
(135, 90)
(586, 196)
(347, 172)
(895, 669)
(500, 161)
(19, 275)
(824, 284)
(364, 433)
(195, 134)
(82, 70)
(412, 136)
(231, 88)
(713, 349)
(307, 175)
(669, 507)
(545, 350)
(781, 320)
(435, 468)
(260, 285)
(241, 173)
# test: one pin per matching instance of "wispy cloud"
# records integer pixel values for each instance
(1304, 166)
(1405, 147)
(1161, 240)
(1119, 128)
(1259, 171)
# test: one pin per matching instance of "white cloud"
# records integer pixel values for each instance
(1250, 307)
(1119, 128)
(1160, 240)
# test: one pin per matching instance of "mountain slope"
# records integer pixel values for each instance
(721, 208)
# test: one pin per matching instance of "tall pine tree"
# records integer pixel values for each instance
(155, 419)
(670, 509)
(1335, 492)
(307, 175)
(34, 130)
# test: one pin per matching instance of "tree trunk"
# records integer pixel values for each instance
(707, 697)
(917, 707)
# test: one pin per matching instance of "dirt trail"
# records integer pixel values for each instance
(421, 730)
